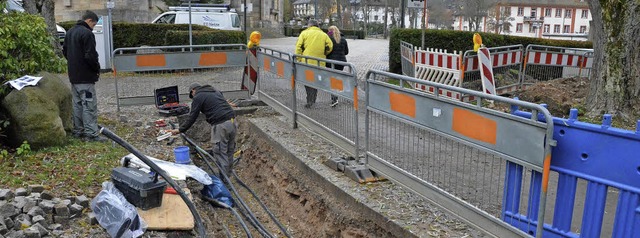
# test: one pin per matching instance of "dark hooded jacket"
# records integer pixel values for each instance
(212, 104)
(82, 58)
(339, 52)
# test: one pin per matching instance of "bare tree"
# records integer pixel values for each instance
(501, 23)
(46, 9)
(473, 11)
(439, 14)
(615, 78)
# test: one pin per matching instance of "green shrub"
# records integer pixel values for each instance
(25, 48)
(463, 41)
(206, 37)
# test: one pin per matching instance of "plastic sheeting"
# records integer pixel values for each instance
(119, 217)
(176, 171)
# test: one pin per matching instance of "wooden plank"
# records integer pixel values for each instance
(173, 214)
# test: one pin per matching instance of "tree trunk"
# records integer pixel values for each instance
(46, 9)
(615, 77)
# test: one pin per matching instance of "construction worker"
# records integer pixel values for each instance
(220, 115)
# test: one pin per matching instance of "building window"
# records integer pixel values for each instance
(507, 11)
(521, 11)
(583, 29)
(465, 28)
(556, 29)
(507, 27)
(558, 12)
(585, 14)
(547, 12)
(533, 29)
(567, 13)
(566, 29)
(519, 27)
(375, 18)
(546, 28)
(534, 12)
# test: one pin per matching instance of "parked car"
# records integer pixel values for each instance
(16, 5)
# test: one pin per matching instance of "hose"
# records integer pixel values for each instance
(235, 213)
(254, 221)
(199, 225)
(266, 209)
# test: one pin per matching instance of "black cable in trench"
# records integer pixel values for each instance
(266, 209)
(254, 221)
(199, 225)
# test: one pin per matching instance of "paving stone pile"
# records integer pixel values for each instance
(34, 212)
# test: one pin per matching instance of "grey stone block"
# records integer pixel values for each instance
(8, 222)
(8, 210)
(32, 232)
(82, 201)
(72, 199)
(63, 220)
(22, 221)
(43, 231)
(61, 210)
(29, 204)
(3, 229)
(93, 220)
(39, 220)
(36, 188)
(57, 233)
(22, 192)
(35, 196)
(66, 202)
(46, 195)
(19, 204)
(55, 227)
(36, 211)
(76, 210)
(6, 194)
(47, 206)
(56, 200)
(16, 234)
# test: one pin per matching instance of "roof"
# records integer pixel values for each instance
(551, 3)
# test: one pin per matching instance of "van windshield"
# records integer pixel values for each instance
(168, 19)
(235, 21)
(13, 5)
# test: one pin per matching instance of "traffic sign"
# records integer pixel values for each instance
(415, 3)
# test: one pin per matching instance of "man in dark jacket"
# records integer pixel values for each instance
(220, 115)
(84, 70)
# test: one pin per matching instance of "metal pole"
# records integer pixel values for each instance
(244, 15)
(190, 33)
(402, 7)
(315, 10)
(424, 21)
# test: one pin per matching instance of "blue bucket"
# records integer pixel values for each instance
(182, 155)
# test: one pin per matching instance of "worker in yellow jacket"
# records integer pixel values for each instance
(313, 42)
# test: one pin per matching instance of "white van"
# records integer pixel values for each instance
(16, 5)
(222, 18)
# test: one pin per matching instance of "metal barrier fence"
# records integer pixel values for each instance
(311, 73)
(275, 80)
(138, 71)
(507, 68)
(407, 57)
(596, 179)
(543, 63)
(455, 153)
(286, 81)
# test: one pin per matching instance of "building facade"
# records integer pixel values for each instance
(550, 19)
(141, 11)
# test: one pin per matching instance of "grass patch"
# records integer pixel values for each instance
(76, 168)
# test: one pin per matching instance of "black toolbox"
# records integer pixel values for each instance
(139, 188)
(168, 102)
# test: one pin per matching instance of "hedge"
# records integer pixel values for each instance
(295, 31)
(204, 37)
(139, 34)
(463, 41)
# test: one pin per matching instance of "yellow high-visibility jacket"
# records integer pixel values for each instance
(315, 43)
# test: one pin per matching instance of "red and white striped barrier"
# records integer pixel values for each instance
(499, 59)
(250, 75)
(558, 59)
(439, 66)
(486, 72)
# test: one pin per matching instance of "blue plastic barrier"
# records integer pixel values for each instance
(602, 155)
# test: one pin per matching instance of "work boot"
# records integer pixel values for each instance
(95, 139)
